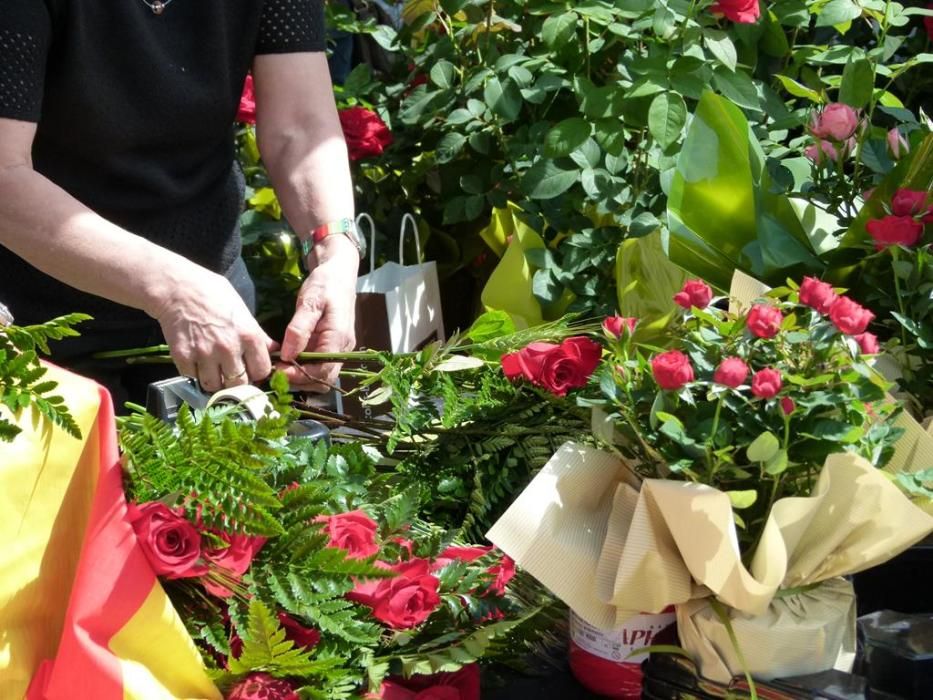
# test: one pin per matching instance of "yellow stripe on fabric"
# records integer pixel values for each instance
(158, 659)
(47, 483)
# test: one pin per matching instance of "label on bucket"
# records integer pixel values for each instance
(616, 645)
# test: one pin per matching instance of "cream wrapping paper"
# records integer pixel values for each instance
(609, 549)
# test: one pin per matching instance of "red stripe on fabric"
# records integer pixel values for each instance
(112, 582)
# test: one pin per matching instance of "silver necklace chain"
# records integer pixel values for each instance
(157, 6)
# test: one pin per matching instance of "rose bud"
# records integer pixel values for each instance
(821, 151)
(787, 405)
(836, 121)
(912, 203)
(849, 316)
(614, 325)
(868, 343)
(694, 293)
(731, 372)
(764, 321)
(894, 230)
(816, 294)
(897, 144)
(766, 383)
(672, 370)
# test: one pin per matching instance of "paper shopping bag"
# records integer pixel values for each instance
(398, 306)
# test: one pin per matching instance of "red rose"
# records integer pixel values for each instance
(928, 23)
(741, 11)
(504, 572)
(912, 203)
(303, 637)
(849, 316)
(764, 321)
(672, 370)
(816, 294)
(868, 343)
(354, 532)
(246, 113)
(462, 685)
(262, 686)
(694, 293)
(404, 601)
(894, 230)
(766, 383)
(171, 543)
(234, 559)
(557, 368)
(836, 121)
(788, 405)
(366, 134)
(615, 325)
(731, 372)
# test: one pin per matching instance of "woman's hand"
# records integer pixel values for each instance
(211, 334)
(324, 316)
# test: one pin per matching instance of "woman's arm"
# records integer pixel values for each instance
(209, 329)
(302, 144)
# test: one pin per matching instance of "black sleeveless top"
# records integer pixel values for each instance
(135, 116)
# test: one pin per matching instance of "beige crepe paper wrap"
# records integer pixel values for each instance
(609, 549)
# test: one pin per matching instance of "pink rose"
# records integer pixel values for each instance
(246, 113)
(868, 343)
(837, 121)
(262, 686)
(672, 370)
(694, 293)
(897, 144)
(787, 405)
(234, 560)
(615, 325)
(764, 321)
(404, 601)
(731, 372)
(816, 294)
(894, 230)
(849, 316)
(303, 637)
(912, 203)
(170, 542)
(740, 11)
(766, 383)
(354, 532)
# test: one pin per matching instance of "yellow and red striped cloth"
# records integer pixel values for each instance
(82, 615)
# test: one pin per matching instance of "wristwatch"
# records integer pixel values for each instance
(341, 227)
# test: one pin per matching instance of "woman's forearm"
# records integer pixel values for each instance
(57, 234)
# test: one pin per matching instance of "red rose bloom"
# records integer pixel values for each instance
(849, 316)
(615, 325)
(557, 368)
(303, 637)
(741, 11)
(764, 321)
(404, 601)
(462, 685)
(246, 114)
(731, 372)
(766, 383)
(912, 203)
(672, 370)
(171, 543)
(817, 295)
(788, 405)
(694, 293)
(262, 686)
(894, 230)
(234, 559)
(366, 134)
(868, 343)
(928, 23)
(354, 532)
(504, 571)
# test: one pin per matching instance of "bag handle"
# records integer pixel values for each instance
(363, 216)
(406, 220)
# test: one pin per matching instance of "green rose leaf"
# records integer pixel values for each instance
(558, 30)
(742, 499)
(666, 118)
(838, 12)
(449, 147)
(718, 43)
(442, 74)
(857, 83)
(503, 97)
(763, 448)
(565, 137)
(544, 180)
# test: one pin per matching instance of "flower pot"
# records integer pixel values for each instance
(602, 661)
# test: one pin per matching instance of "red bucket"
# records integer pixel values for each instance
(600, 659)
